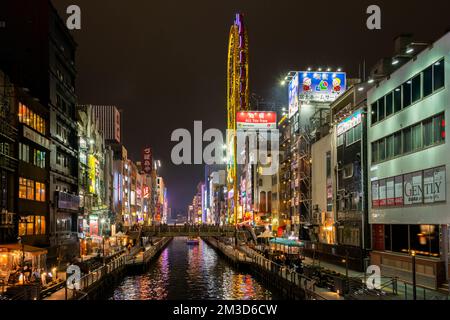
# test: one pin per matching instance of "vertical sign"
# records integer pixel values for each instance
(117, 125)
(147, 160)
(439, 181)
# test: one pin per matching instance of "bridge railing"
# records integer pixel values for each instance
(188, 229)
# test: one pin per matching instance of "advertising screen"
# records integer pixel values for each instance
(321, 86)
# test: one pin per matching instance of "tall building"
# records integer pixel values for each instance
(110, 122)
(408, 160)
(8, 161)
(38, 53)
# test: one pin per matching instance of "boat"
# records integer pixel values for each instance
(193, 241)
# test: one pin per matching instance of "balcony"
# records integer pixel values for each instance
(8, 130)
(7, 162)
(6, 219)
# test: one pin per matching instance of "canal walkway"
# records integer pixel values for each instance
(110, 271)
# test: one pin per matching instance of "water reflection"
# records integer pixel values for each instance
(191, 272)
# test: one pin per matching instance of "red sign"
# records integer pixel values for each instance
(147, 161)
(256, 120)
(378, 236)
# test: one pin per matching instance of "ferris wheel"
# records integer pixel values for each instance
(237, 100)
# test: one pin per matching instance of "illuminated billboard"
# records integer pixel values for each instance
(256, 120)
(147, 160)
(293, 96)
(321, 86)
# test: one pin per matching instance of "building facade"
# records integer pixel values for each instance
(408, 159)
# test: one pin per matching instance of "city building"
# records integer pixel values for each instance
(8, 161)
(408, 160)
(43, 62)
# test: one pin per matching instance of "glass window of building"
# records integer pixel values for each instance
(407, 140)
(398, 99)
(374, 112)
(438, 75)
(427, 133)
(438, 128)
(381, 109)
(406, 93)
(417, 137)
(340, 140)
(39, 158)
(349, 137)
(375, 151)
(397, 144)
(357, 132)
(40, 192)
(400, 238)
(389, 104)
(427, 85)
(348, 171)
(381, 150)
(416, 88)
(32, 120)
(389, 146)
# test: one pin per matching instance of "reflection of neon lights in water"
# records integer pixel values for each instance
(190, 272)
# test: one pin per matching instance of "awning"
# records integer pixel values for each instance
(18, 247)
(287, 242)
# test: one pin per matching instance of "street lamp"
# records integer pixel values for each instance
(413, 256)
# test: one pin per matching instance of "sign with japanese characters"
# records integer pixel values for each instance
(321, 86)
(147, 162)
(256, 120)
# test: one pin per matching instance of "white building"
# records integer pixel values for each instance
(409, 209)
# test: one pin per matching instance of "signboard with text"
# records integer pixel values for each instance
(147, 162)
(321, 86)
(256, 120)
(293, 96)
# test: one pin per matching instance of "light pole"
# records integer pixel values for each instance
(413, 256)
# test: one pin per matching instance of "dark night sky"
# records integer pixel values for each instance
(164, 61)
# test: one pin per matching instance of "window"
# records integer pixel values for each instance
(407, 140)
(427, 85)
(26, 189)
(427, 133)
(40, 192)
(397, 99)
(39, 158)
(31, 225)
(381, 109)
(417, 137)
(381, 150)
(374, 115)
(348, 171)
(414, 138)
(407, 94)
(390, 147)
(438, 75)
(29, 118)
(438, 128)
(416, 89)
(340, 140)
(375, 157)
(349, 137)
(397, 143)
(389, 104)
(24, 152)
(357, 132)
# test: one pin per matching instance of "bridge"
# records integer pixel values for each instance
(188, 231)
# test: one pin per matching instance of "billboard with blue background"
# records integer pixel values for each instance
(321, 86)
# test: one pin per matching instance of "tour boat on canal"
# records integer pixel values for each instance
(193, 241)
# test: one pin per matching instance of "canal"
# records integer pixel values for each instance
(194, 272)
